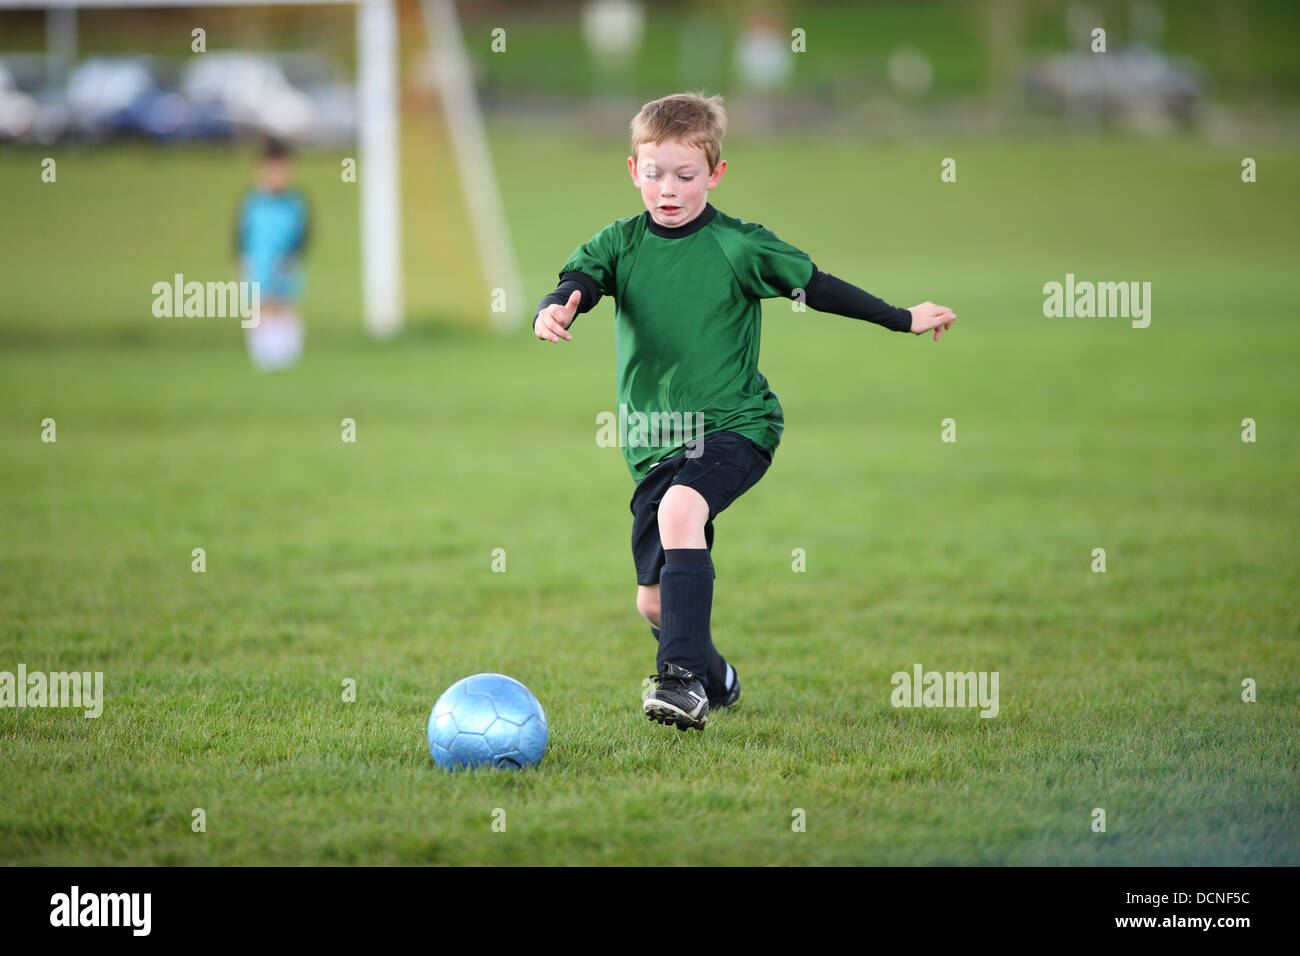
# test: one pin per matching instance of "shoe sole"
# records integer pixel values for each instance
(665, 713)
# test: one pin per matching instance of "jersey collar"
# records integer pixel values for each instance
(680, 232)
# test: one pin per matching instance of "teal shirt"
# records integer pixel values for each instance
(687, 324)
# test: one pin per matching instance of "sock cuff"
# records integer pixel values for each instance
(691, 557)
(685, 572)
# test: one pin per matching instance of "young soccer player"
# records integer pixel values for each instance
(270, 237)
(687, 281)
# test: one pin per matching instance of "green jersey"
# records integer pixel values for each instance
(687, 322)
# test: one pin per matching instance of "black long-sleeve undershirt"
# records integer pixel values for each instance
(824, 292)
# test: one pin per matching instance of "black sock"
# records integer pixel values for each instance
(716, 685)
(685, 603)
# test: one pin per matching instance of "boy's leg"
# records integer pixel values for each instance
(720, 674)
(686, 590)
(291, 324)
(672, 510)
(730, 464)
(262, 340)
(686, 581)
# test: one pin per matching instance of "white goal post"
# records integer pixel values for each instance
(378, 135)
(455, 81)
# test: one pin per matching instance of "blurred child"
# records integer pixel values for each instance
(270, 236)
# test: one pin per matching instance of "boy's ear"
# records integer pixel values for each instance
(631, 168)
(716, 176)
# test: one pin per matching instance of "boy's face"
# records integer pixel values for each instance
(674, 180)
(274, 174)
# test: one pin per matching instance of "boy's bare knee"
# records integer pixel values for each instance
(683, 512)
(647, 602)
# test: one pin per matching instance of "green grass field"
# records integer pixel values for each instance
(372, 560)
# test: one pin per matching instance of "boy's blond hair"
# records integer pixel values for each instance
(689, 118)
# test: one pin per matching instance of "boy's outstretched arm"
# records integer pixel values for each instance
(826, 293)
(576, 293)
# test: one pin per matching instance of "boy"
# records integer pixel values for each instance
(270, 236)
(687, 281)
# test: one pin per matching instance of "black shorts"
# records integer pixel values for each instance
(729, 466)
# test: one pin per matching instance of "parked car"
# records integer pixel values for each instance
(334, 99)
(216, 95)
(30, 109)
(110, 96)
(17, 109)
(101, 90)
(250, 92)
(1118, 82)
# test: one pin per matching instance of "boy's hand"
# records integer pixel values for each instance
(927, 316)
(553, 320)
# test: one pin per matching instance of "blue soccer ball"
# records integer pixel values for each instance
(488, 720)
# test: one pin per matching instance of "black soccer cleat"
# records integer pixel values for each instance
(680, 700)
(729, 697)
